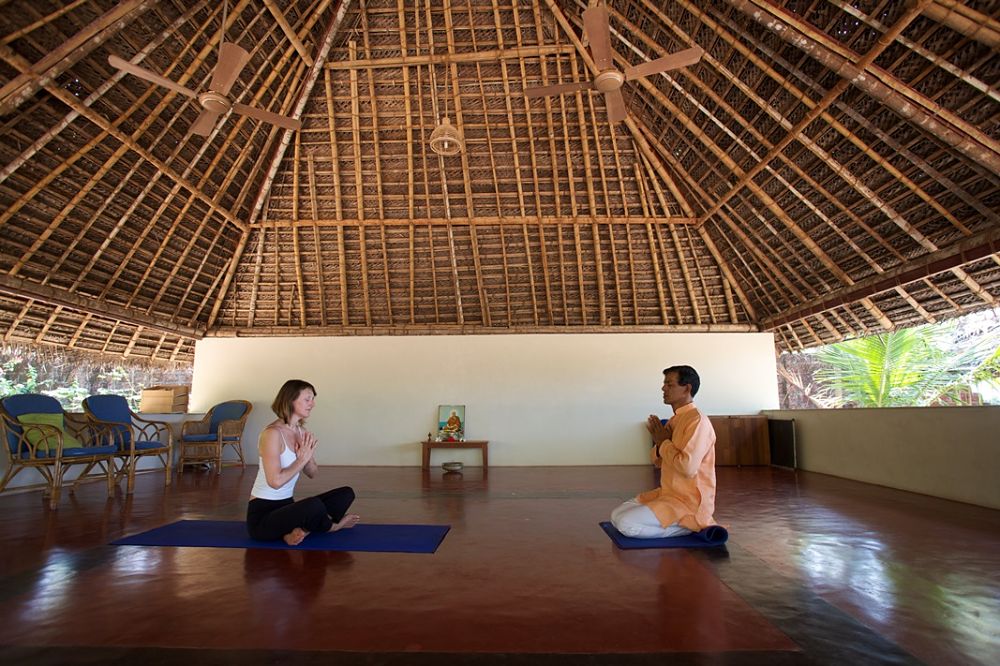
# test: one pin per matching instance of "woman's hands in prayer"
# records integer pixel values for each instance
(306, 446)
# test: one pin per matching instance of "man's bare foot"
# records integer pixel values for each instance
(350, 520)
(296, 536)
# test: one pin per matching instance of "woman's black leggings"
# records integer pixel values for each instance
(268, 520)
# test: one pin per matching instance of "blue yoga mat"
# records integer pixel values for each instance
(233, 534)
(710, 537)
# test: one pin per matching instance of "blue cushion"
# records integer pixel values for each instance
(113, 408)
(226, 411)
(80, 452)
(31, 403)
(27, 403)
(209, 438)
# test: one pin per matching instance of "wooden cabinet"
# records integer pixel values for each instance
(741, 440)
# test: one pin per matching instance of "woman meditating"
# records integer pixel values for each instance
(286, 449)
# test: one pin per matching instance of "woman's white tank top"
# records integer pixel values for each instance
(260, 488)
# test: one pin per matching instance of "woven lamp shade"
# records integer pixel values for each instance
(445, 139)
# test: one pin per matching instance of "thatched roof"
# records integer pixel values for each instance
(828, 169)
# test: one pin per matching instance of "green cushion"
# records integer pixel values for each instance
(54, 420)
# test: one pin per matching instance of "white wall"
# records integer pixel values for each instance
(949, 452)
(539, 399)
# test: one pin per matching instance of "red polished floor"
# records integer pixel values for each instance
(818, 570)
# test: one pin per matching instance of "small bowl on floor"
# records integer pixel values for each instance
(453, 466)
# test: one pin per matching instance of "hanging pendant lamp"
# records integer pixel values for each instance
(445, 139)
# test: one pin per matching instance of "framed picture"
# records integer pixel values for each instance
(451, 423)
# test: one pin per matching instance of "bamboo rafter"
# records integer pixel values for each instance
(733, 197)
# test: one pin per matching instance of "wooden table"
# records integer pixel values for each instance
(481, 444)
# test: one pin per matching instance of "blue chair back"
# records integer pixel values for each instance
(112, 408)
(226, 411)
(27, 403)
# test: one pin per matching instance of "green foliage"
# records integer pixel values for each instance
(909, 367)
(989, 371)
(70, 377)
(17, 376)
(70, 397)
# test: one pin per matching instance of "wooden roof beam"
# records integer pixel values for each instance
(849, 74)
(21, 288)
(77, 47)
(279, 153)
(73, 114)
(965, 21)
(468, 329)
(884, 162)
(492, 55)
(68, 98)
(377, 159)
(111, 129)
(652, 163)
(973, 248)
(766, 66)
(724, 265)
(296, 180)
(804, 139)
(760, 194)
(490, 220)
(879, 84)
(644, 147)
(289, 32)
(469, 201)
(858, 184)
(300, 104)
(716, 254)
(537, 198)
(933, 58)
(317, 245)
(641, 173)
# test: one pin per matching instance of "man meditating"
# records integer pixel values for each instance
(684, 450)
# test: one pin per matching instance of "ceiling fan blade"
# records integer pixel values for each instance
(558, 89)
(673, 61)
(232, 58)
(142, 73)
(595, 25)
(616, 106)
(205, 123)
(267, 116)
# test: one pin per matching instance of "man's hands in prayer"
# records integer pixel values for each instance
(659, 431)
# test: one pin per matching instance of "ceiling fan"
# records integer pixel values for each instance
(214, 101)
(610, 80)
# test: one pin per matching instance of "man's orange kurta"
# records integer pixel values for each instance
(686, 495)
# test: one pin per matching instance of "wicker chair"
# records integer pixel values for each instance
(202, 442)
(41, 436)
(133, 437)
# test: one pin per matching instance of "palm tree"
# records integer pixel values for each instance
(908, 367)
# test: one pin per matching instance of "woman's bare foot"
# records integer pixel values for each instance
(296, 536)
(350, 520)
